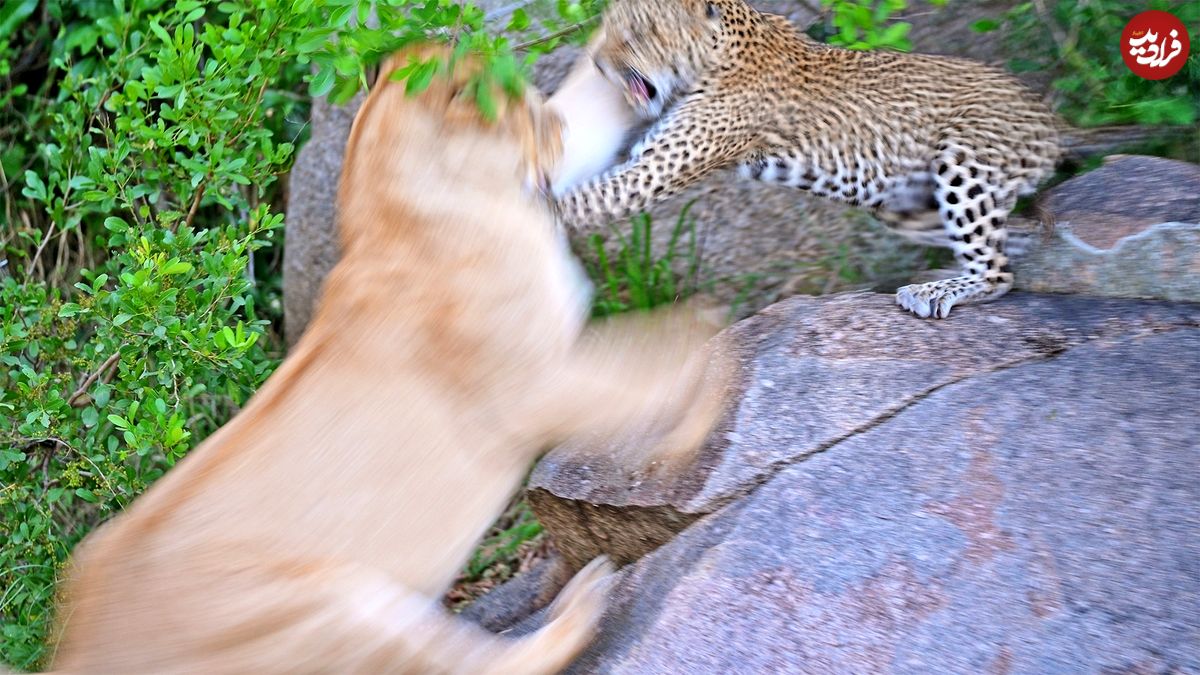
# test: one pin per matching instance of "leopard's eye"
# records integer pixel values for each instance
(710, 11)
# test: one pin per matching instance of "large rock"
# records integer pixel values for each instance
(1128, 229)
(1030, 513)
(310, 245)
(521, 596)
(814, 373)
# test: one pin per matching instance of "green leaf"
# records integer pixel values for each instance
(985, 25)
(82, 38)
(161, 32)
(518, 22)
(486, 101)
(13, 14)
(8, 457)
(341, 16)
(81, 183)
(86, 495)
(34, 187)
(419, 80)
(314, 39)
(322, 82)
(894, 35)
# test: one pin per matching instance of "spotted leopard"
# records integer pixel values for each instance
(939, 148)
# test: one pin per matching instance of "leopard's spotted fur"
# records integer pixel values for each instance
(940, 148)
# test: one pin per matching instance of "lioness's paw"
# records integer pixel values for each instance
(583, 600)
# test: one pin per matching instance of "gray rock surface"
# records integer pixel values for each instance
(1128, 229)
(310, 245)
(1033, 513)
(520, 597)
(814, 373)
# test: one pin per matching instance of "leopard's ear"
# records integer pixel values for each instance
(708, 9)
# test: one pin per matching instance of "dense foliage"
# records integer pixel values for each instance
(866, 24)
(143, 142)
(1078, 44)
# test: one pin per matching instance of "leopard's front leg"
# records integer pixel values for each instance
(697, 137)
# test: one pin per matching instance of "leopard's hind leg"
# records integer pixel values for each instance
(974, 201)
(909, 207)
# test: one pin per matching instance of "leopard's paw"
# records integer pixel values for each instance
(936, 298)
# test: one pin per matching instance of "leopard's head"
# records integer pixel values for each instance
(655, 49)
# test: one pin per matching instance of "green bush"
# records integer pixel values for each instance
(865, 24)
(144, 141)
(1078, 44)
(140, 142)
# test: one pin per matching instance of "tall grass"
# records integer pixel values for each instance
(632, 278)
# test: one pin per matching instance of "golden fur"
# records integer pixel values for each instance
(318, 529)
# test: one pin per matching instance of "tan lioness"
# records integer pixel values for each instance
(317, 530)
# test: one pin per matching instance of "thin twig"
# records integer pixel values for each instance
(554, 36)
(38, 253)
(76, 400)
(195, 203)
(7, 202)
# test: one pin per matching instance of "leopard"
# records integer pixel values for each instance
(938, 148)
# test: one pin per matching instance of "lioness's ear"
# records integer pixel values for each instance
(550, 127)
(461, 108)
(541, 134)
(379, 74)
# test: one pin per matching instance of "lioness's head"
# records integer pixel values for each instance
(396, 136)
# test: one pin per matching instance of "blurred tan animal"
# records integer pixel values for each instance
(317, 531)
